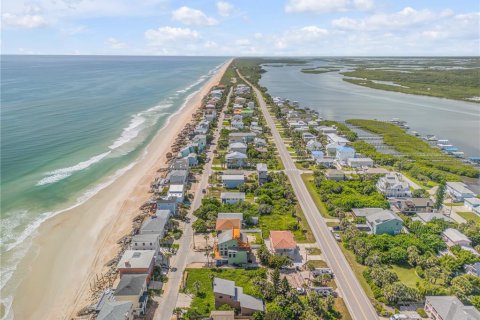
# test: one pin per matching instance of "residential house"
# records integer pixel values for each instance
(236, 159)
(314, 145)
(245, 137)
(325, 129)
(116, 310)
(262, 172)
(240, 100)
(247, 112)
(237, 117)
(227, 224)
(178, 176)
(148, 241)
(176, 191)
(210, 114)
(429, 216)
(201, 141)
(192, 159)
(232, 181)
(179, 164)
(384, 221)
(459, 191)
(344, 153)
(325, 162)
(137, 262)
(237, 124)
(202, 127)
(282, 243)
(307, 136)
(232, 197)
(185, 151)
(454, 237)
(360, 162)
(331, 149)
(335, 138)
(230, 216)
(231, 248)
(169, 204)
(222, 315)
(473, 269)
(412, 205)
(312, 123)
(133, 288)
(449, 308)
(259, 142)
(226, 292)
(363, 212)
(334, 174)
(317, 154)
(156, 224)
(471, 203)
(256, 129)
(393, 185)
(238, 147)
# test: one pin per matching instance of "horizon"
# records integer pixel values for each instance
(290, 28)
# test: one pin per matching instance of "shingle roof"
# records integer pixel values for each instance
(450, 308)
(455, 235)
(115, 310)
(131, 285)
(282, 240)
(363, 212)
(249, 302)
(230, 215)
(224, 286)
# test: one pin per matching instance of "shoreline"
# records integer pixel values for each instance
(61, 263)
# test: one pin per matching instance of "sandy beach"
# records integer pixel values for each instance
(71, 248)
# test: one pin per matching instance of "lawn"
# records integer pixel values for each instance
(469, 216)
(317, 263)
(204, 301)
(314, 251)
(407, 276)
(307, 179)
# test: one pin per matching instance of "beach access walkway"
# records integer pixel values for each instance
(168, 300)
(357, 302)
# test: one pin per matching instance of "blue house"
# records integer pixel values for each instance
(231, 181)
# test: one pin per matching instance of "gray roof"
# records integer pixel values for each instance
(242, 134)
(382, 216)
(131, 285)
(179, 164)
(178, 173)
(236, 155)
(232, 195)
(237, 145)
(363, 212)
(223, 286)
(455, 235)
(247, 301)
(230, 215)
(152, 237)
(115, 310)
(262, 167)
(233, 177)
(225, 236)
(156, 223)
(450, 308)
(459, 187)
(429, 216)
(136, 259)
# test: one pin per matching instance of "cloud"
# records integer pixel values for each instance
(190, 16)
(224, 8)
(327, 6)
(170, 35)
(116, 44)
(27, 21)
(295, 38)
(71, 31)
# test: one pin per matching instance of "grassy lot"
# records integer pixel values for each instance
(453, 204)
(407, 276)
(204, 301)
(307, 179)
(314, 251)
(317, 263)
(469, 216)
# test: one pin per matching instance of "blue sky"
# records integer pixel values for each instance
(239, 28)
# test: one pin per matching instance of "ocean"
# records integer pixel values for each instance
(70, 125)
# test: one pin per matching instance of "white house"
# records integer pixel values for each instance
(232, 197)
(393, 185)
(459, 191)
(472, 204)
(335, 138)
(236, 159)
(176, 191)
(237, 124)
(344, 153)
(313, 145)
(454, 237)
(359, 162)
(238, 147)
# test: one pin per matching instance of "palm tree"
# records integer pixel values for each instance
(197, 286)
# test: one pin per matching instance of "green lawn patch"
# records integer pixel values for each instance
(469, 216)
(407, 275)
(317, 263)
(314, 251)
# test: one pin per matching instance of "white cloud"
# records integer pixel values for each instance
(116, 44)
(71, 31)
(190, 16)
(296, 38)
(326, 6)
(170, 35)
(28, 21)
(224, 8)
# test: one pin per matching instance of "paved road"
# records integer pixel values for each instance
(168, 300)
(358, 304)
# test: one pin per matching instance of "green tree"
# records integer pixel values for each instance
(440, 195)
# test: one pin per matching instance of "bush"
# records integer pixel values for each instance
(421, 312)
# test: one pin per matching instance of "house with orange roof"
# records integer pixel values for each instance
(232, 248)
(228, 224)
(282, 243)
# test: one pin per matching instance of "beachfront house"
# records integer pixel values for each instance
(202, 127)
(385, 221)
(282, 243)
(231, 181)
(179, 164)
(236, 159)
(178, 176)
(133, 288)
(449, 308)
(156, 224)
(459, 191)
(169, 204)
(453, 237)
(231, 248)
(185, 151)
(245, 137)
(200, 140)
(226, 292)
(238, 147)
(192, 159)
(113, 310)
(262, 172)
(360, 162)
(394, 185)
(137, 262)
(176, 191)
(232, 197)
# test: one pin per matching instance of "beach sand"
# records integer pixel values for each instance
(73, 247)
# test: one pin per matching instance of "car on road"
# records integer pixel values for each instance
(337, 237)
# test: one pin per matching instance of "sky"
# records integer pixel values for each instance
(242, 28)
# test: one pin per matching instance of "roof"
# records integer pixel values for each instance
(230, 215)
(149, 237)
(237, 145)
(455, 235)
(459, 187)
(360, 160)
(178, 173)
(250, 302)
(345, 149)
(450, 308)
(233, 177)
(223, 286)
(115, 310)
(228, 224)
(176, 188)
(473, 201)
(382, 216)
(242, 134)
(232, 195)
(236, 155)
(429, 216)
(282, 240)
(136, 259)
(262, 167)
(156, 223)
(131, 285)
(363, 212)
(336, 138)
(179, 164)
(222, 315)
